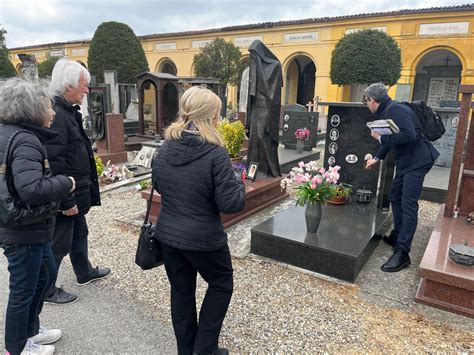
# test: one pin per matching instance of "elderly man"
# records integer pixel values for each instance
(414, 157)
(70, 153)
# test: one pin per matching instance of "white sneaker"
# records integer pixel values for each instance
(46, 336)
(35, 349)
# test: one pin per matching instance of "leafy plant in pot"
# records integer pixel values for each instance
(340, 194)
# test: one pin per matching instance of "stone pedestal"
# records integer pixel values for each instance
(259, 195)
(445, 284)
(346, 237)
(112, 147)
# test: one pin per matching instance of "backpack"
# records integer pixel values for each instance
(431, 124)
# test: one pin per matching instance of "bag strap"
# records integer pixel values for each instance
(4, 166)
(6, 153)
(146, 221)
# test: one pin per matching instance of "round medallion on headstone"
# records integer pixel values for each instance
(285, 127)
(351, 158)
(334, 134)
(335, 120)
(368, 156)
(332, 148)
(331, 161)
(455, 121)
(286, 118)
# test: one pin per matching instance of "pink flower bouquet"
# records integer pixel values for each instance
(302, 133)
(309, 183)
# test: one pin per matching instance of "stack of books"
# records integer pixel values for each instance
(383, 126)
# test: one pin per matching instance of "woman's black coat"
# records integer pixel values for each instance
(31, 182)
(196, 183)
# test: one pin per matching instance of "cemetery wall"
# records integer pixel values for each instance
(417, 31)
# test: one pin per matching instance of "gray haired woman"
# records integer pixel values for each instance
(26, 106)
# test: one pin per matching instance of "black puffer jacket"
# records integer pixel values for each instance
(70, 153)
(30, 181)
(196, 183)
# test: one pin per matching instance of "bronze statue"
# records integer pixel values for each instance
(264, 102)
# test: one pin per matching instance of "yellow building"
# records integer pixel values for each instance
(437, 46)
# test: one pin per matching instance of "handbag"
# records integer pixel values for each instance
(149, 253)
(13, 211)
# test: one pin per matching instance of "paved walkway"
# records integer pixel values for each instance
(101, 321)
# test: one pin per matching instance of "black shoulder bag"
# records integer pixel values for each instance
(149, 254)
(13, 211)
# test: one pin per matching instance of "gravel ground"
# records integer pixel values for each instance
(281, 309)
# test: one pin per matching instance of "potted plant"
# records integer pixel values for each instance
(301, 135)
(341, 193)
(311, 186)
(233, 134)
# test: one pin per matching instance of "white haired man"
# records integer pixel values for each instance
(70, 153)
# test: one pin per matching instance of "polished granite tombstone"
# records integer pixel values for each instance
(347, 236)
(445, 284)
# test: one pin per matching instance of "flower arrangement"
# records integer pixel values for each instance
(233, 134)
(302, 133)
(113, 173)
(241, 169)
(342, 190)
(310, 183)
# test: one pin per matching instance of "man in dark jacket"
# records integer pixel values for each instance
(414, 157)
(70, 153)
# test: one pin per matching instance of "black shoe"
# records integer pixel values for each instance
(218, 351)
(397, 261)
(390, 240)
(95, 274)
(61, 297)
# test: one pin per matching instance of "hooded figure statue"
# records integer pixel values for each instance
(264, 103)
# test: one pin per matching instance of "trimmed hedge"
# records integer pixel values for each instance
(46, 68)
(115, 47)
(364, 57)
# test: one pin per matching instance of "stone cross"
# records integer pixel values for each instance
(310, 106)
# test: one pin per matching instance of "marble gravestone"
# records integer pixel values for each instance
(445, 145)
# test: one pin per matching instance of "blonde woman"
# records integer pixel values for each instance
(193, 174)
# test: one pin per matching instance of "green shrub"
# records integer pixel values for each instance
(99, 164)
(46, 68)
(365, 57)
(114, 46)
(145, 184)
(233, 134)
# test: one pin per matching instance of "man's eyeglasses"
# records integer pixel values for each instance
(365, 99)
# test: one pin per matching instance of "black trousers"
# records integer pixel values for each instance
(404, 195)
(70, 237)
(182, 267)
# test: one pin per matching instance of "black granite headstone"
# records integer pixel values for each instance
(349, 144)
(294, 117)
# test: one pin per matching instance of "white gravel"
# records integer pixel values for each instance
(275, 308)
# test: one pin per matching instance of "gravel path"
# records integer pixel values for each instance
(280, 309)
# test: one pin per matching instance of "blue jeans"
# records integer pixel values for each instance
(32, 271)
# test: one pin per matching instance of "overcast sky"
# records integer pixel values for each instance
(30, 22)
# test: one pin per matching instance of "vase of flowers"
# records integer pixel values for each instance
(301, 135)
(311, 186)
